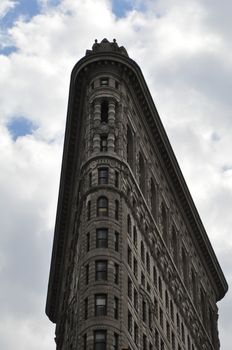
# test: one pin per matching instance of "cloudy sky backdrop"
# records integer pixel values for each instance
(184, 50)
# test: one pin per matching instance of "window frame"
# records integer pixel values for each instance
(102, 242)
(101, 274)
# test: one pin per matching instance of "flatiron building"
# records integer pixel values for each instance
(132, 266)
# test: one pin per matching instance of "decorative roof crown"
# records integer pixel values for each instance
(106, 46)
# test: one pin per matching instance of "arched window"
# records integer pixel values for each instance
(129, 147)
(164, 223)
(173, 247)
(116, 209)
(184, 267)
(102, 206)
(128, 224)
(141, 173)
(142, 252)
(153, 199)
(104, 111)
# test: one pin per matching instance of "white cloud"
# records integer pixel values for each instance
(184, 51)
(6, 5)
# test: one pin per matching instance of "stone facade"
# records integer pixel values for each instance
(132, 266)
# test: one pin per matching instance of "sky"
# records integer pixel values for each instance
(184, 50)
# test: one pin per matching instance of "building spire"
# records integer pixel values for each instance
(106, 46)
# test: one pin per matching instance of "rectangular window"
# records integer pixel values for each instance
(115, 341)
(87, 242)
(166, 300)
(85, 341)
(149, 318)
(116, 180)
(87, 274)
(102, 238)
(156, 339)
(150, 346)
(161, 344)
(116, 273)
(182, 333)
(116, 241)
(103, 144)
(86, 308)
(174, 341)
(161, 318)
(178, 322)
(129, 256)
(116, 84)
(136, 334)
(155, 276)
(168, 330)
(116, 212)
(135, 238)
(172, 310)
(100, 340)
(189, 344)
(156, 308)
(88, 210)
(144, 342)
(129, 288)
(103, 175)
(144, 311)
(116, 308)
(136, 299)
(129, 322)
(135, 268)
(100, 304)
(143, 279)
(104, 81)
(160, 288)
(101, 270)
(90, 179)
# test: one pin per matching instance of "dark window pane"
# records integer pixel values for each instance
(102, 238)
(104, 81)
(101, 270)
(100, 340)
(100, 304)
(102, 176)
(102, 206)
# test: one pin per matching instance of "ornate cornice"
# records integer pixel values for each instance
(92, 60)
